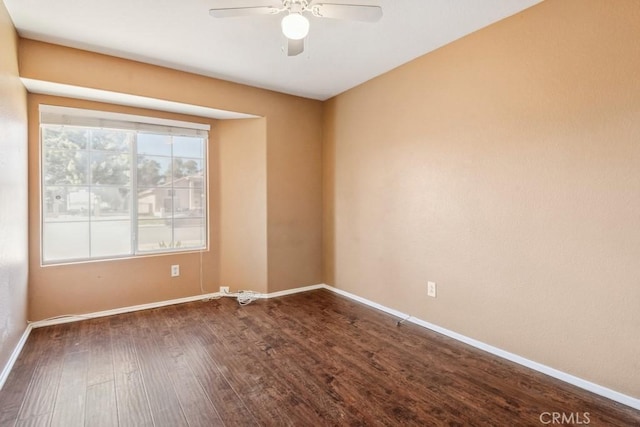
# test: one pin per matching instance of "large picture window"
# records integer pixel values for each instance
(118, 186)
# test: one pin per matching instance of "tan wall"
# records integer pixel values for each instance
(293, 165)
(13, 193)
(102, 285)
(504, 167)
(243, 203)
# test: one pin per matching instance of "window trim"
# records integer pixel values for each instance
(57, 115)
(96, 119)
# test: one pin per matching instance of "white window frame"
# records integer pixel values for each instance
(57, 115)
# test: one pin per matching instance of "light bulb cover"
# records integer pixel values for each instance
(295, 26)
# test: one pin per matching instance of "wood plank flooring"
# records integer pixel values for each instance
(310, 359)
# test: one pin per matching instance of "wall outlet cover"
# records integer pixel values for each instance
(431, 289)
(175, 270)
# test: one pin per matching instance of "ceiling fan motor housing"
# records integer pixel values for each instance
(296, 6)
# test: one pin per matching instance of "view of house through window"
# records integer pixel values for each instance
(120, 189)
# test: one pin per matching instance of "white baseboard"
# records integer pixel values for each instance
(14, 356)
(292, 291)
(76, 317)
(563, 376)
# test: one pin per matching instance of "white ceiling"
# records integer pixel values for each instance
(180, 34)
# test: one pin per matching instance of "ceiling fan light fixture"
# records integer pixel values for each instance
(295, 26)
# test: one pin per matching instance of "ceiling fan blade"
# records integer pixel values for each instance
(295, 47)
(353, 12)
(231, 4)
(344, 2)
(232, 12)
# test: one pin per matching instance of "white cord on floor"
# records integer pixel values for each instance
(244, 297)
(247, 297)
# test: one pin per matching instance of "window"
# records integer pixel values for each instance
(119, 186)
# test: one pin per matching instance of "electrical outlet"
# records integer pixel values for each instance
(224, 289)
(431, 289)
(175, 270)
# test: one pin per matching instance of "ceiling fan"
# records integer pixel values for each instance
(295, 25)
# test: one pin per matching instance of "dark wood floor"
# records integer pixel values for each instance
(309, 359)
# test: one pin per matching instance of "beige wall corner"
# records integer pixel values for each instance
(294, 204)
(328, 192)
(13, 193)
(503, 167)
(243, 203)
